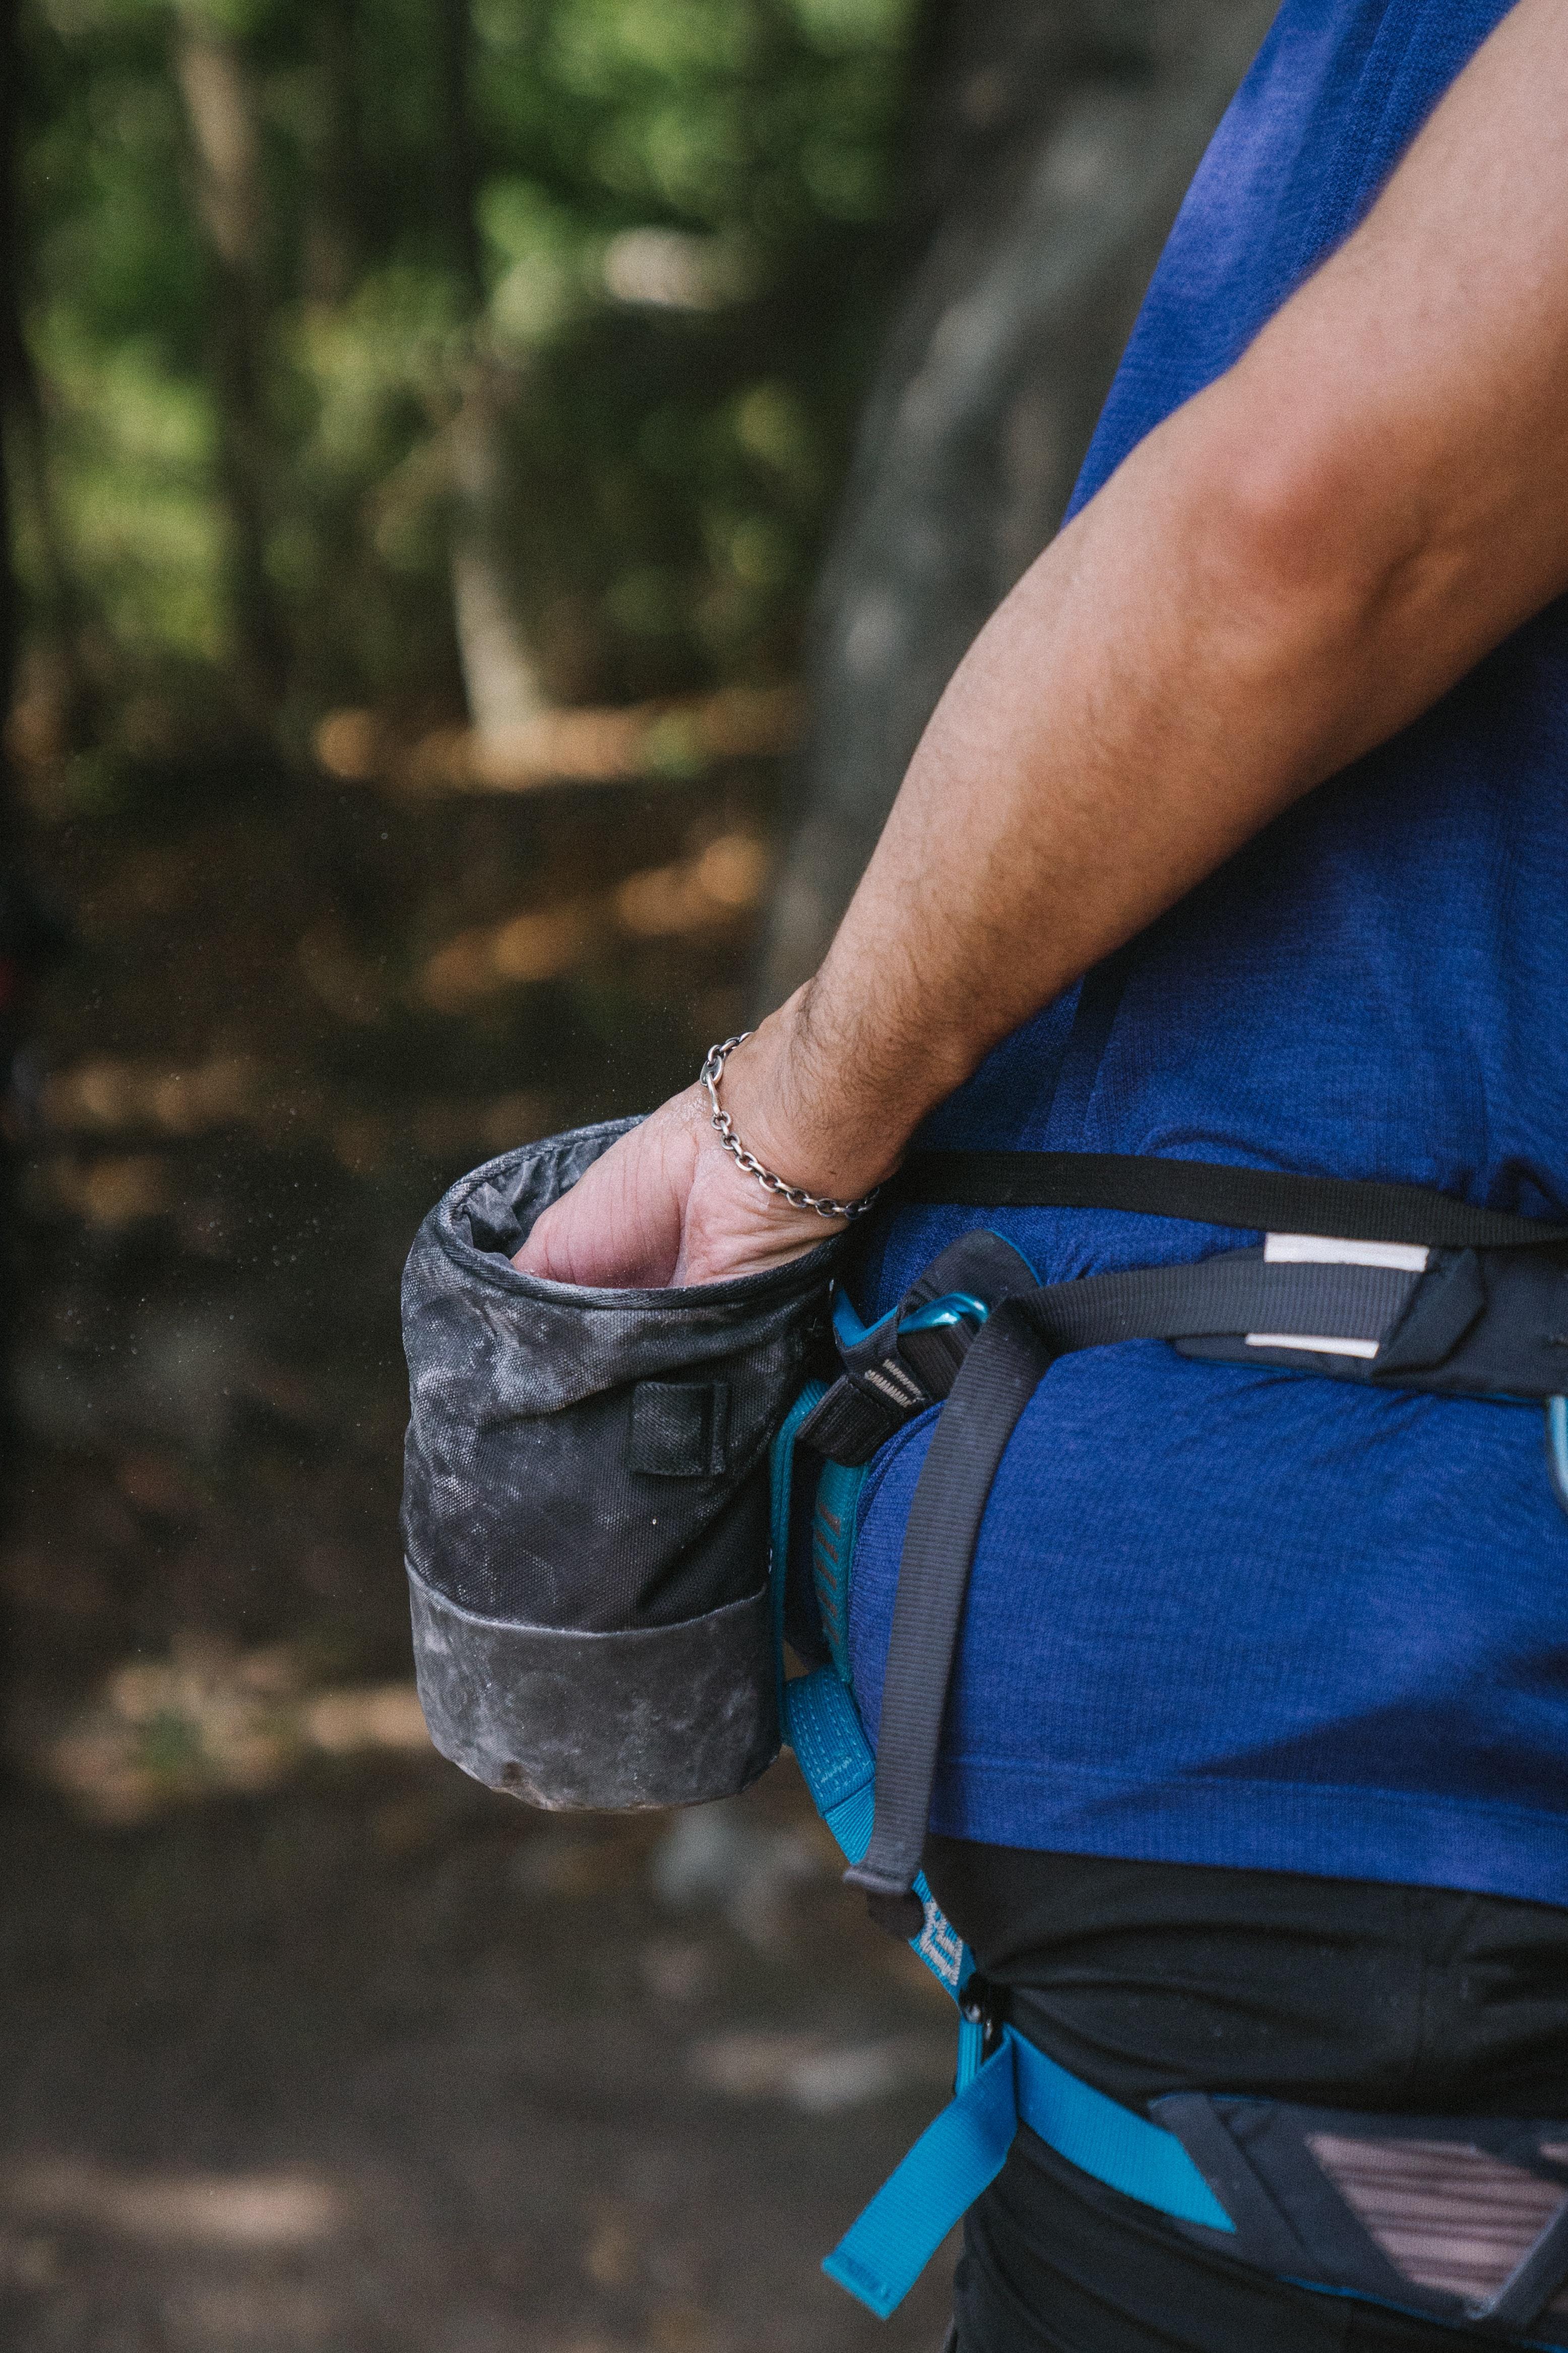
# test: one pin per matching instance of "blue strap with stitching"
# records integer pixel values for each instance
(837, 1767)
(883, 2252)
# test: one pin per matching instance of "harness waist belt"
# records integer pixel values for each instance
(1212, 1193)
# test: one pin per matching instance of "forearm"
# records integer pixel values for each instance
(1041, 823)
(1148, 697)
(1287, 571)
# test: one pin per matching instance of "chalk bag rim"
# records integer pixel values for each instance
(692, 1299)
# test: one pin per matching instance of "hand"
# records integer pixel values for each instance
(667, 1205)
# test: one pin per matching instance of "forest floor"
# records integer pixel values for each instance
(311, 2045)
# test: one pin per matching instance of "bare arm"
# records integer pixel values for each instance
(1286, 572)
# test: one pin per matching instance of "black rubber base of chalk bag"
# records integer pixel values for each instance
(586, 1502)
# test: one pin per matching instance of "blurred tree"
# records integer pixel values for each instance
(452, 353)
(230, 206)
(23, 463)
(13, 371)
(1054, 141)
(30, 935)
(500, 676)
(336, 232)
(563, 303)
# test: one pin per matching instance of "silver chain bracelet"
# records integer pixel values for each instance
(795, 1195)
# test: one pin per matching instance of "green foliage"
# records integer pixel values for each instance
(656, 222)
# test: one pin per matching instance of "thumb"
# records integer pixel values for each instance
(621, 1223)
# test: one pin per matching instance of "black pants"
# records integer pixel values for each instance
(1151, 1978)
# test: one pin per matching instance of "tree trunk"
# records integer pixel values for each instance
(12, 372)
(335, 240)
(225, 163)
(459, 150)
(501, 678)
(31, 935)
(12, 1259)
(1055, 140)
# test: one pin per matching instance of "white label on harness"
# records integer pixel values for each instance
(1323, 1249)
(1312, 1342)
(1326, 1250)
(940, 1945)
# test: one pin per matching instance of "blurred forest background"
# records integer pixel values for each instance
(491, 492)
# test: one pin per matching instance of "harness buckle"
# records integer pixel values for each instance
(983, 2003)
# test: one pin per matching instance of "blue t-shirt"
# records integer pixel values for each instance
(1230, 1615)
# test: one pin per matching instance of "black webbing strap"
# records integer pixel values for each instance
(995, 1381)
(1009, 1356)
(1266, 1199)
(1233, 1293)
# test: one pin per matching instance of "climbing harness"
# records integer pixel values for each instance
(1430, 1294)
(597, 1480)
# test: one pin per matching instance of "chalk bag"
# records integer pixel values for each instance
(585, 1502)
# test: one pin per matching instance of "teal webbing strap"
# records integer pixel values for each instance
(822, 1725)
(1101, 2138)
(781, 1482)
(836, 1764)
(820, 1721)
(882, 2253)
(832, 1546)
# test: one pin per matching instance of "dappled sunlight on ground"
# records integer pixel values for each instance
(311, 2045)
(212, 1718)
(380, 2061)
(166, 2209)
